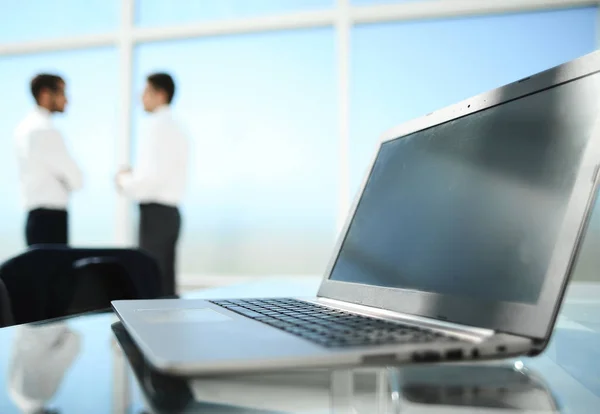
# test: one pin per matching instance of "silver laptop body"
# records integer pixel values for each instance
(467, 226)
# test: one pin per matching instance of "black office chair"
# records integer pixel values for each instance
(53, 281)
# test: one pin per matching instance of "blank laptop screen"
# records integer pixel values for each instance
(473, 207)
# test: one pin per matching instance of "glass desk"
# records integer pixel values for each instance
(88, 364)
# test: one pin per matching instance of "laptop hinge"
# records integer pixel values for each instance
(463, 331)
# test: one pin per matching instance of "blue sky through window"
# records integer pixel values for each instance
(28, 20)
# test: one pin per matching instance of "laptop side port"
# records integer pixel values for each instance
(426, 356)
(454, 354)
(379, 360)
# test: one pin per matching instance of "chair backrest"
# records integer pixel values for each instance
(96, 282)
(42, 281)
(6, 316)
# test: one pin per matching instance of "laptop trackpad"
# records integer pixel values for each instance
(199, 315)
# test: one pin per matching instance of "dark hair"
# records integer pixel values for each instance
(45, 81)
(163, 82)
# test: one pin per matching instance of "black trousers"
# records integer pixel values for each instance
(158, 234)
(46, 225)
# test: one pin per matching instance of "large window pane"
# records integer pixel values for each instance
(89, 127)
(261, 113)
(22, 20)
(404, 70)
(163, 12)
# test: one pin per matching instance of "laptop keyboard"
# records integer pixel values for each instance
(327, 326)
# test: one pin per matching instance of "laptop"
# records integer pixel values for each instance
(459, 246)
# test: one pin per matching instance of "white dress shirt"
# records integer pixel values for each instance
(47, 171)
(162, 162)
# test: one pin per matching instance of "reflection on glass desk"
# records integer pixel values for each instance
(41, 356)
(88, 364)
(494, 388)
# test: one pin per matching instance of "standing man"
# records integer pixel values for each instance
(48, 173)
(158, 181)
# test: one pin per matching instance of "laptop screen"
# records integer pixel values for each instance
(473, 207)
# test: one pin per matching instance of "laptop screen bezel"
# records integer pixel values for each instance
(531, 320)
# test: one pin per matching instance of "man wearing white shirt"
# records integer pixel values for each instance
(48, 173)
(158, 181)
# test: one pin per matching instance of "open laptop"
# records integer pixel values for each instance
(459, 246)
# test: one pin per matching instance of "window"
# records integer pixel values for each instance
(89, 128)
(28, 20)
(261, 107)
(162, 12)
(419, 67)
(261, 112)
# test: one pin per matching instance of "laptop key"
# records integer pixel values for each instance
(250, 313)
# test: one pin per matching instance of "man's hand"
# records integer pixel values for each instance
(119, 176)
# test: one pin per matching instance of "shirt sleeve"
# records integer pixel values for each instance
(142, 182)
(49, 149)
